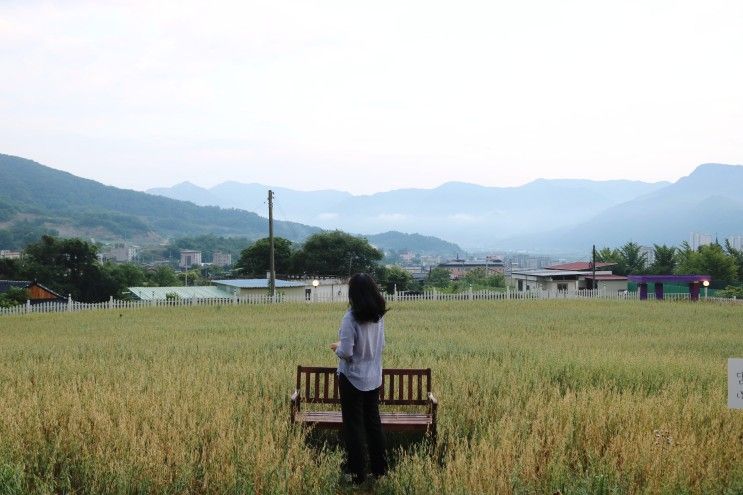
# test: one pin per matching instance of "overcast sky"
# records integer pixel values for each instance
(371, 96)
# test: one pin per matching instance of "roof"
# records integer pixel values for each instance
(549, 273)
(24, 284)
(196, 291)
(607, 277)
(668, 279)
(579, 265)
(471, 263)
(8, 284)
(256, 283)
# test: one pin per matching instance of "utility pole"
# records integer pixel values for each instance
(272, 265)
(593, 266)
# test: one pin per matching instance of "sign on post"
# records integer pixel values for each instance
(735, 383)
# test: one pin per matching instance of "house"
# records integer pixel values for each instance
(574, 276)
(221, 259)
(258, 287)
(10, 255)
(119, 252)
(189, 259)
(459, 267)
(35, 292)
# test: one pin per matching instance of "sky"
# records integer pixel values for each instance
(371, 96)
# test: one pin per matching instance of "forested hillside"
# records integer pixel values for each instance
(56, 200)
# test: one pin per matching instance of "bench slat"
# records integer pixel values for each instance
(392, 390)
(334, 417)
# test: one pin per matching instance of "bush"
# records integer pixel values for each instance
(13, 297)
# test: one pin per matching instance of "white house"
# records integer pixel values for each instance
(568, 277)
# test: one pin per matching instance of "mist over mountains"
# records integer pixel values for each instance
(542, 216)
(472, 215)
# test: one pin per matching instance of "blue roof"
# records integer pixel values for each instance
(256, 283)
(161, 293)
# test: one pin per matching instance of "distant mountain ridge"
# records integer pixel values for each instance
(474, 215)
(709, 200)
(73, 206)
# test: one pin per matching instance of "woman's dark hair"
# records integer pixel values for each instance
(367, 303)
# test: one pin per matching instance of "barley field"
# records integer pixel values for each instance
(534, 397)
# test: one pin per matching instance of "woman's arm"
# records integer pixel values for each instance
(344, 347)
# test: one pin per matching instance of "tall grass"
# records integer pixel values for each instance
(535, 397)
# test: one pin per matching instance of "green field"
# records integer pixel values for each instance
(534, 397)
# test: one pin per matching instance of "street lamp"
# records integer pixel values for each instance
(705, 284)
(315, 284)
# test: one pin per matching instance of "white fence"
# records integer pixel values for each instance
(69, 306)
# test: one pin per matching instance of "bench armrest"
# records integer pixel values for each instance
(433, 405)
(296, 401)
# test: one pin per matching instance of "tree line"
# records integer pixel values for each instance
(724, 263)
(72, 267)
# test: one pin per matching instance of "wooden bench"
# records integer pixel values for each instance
(400, 387)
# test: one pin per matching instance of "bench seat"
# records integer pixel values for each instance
(400, 387)
(392, 421)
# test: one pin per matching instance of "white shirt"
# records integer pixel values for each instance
(360, 352)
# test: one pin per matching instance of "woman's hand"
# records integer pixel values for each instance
(334, 346)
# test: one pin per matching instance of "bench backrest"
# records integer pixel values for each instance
(399, 386)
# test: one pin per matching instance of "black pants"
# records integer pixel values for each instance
(360, 412)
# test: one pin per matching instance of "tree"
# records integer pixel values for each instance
(13, 297)
(480, 279)
(396, 277)
(631, 259)
(10, 269)
(628, 258)
(162, 276)
(124, 275)
(191, 278)
(336, 253)
(607, 255)
(665, 260)
(737, 255)
(255, 259)
(708, 260)
(439, 278)
(69, 266)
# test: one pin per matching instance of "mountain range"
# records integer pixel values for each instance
(544, 215)
(33, 196)
(473, 215)
(552, 216)
(709, 200)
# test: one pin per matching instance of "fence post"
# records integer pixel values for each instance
(469, 293)
(69, 302)
(110, 302)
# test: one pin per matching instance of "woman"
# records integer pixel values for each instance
(360, 376)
